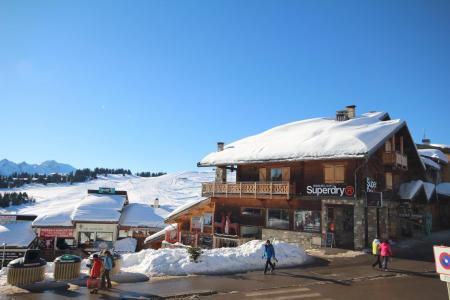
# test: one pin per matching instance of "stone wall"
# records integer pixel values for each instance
(304, 239)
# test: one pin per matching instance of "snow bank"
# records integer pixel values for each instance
(216, 261)
(319, 138)
(18, 234)
(125, 245)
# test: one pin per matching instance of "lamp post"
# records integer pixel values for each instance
(4, 251)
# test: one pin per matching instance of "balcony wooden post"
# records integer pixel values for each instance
(255, 189)
(214, 189)
(240, 189)
(271, 183)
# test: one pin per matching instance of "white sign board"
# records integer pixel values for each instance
(445, 278)
(442, 260)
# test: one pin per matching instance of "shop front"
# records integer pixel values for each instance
(95, 236)
(56, 238)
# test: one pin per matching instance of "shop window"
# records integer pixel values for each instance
(104, 236)
(195, 222)
(207, 219)
(251, 212)
(251, 232)
(278, 218)
(388, 178)
(276, 174)
(123, 233)
(86, 237)
(307, 220)
(334, 174)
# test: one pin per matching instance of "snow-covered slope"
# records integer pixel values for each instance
(55, 203)
(8, 167)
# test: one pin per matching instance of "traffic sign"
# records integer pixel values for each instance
(442, 259)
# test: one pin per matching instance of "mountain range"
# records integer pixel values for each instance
(8, 167)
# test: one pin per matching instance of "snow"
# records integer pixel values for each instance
(443, 188)
(56, 202)
(8, 167)
(434, 153)
(125, 245)
(161, 233)
(319, 138)
(99, 208)
(215, 261)
(430, 162)
(186, 206)
(17, 234)
(409, 190)
(143, 215)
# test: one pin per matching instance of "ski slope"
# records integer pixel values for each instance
(56, 202)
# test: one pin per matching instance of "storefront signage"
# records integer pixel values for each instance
(87, 227)
(371, 185)
(374, 199)
(106, 190)
(56, 232)
(330, 190)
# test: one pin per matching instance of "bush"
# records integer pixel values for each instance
(194, 253)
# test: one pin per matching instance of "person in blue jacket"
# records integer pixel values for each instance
(107, 267)
(269, 252)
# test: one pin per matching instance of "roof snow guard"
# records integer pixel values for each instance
(312, 139)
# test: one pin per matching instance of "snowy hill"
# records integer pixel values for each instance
(55, 202)
(8, 167)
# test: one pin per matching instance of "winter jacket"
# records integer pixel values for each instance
(96, 268)
(376, 247)
(107, 262)
(385, 249)
(269, 251)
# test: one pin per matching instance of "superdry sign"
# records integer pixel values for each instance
(330, 190)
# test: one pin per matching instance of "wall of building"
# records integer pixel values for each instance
(305, 239)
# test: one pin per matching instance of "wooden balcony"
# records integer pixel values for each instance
(395, 159)
(273, 189)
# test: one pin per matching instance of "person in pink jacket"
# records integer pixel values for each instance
(385, 252)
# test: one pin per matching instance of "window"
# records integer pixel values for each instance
(276, 174)
(195, 222)
(86, 237)
(388, 180)
(278, 218)
(104, 236)
(388, 146)
(207, 219)
(251, 212)
(307, 220)
(334, 173)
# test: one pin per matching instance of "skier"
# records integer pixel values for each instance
(94, 275)
(108, 264)
(376, 252)
(269, 252)
(386, 252)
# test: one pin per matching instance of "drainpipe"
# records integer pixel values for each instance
(366, 229)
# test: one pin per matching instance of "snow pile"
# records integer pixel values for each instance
(142, 215)
(443, 188)
(216, 261)
(125, 245)
(434, 153)
(318, 138)
(17, 234)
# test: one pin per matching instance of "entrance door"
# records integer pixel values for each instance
(341, 221)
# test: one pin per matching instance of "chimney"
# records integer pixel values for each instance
(156, 203)
(351, 111)
(341, 115)
(221, 172)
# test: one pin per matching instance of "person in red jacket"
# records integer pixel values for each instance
(95, 274)
(385, 252)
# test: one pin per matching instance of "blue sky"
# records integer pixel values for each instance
(152, 85)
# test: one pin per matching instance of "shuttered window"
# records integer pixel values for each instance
(388, 180)
(286, 174)
(262, 174)
(388, 146)
(334, 173)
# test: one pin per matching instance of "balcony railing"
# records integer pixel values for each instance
(395, 159)
(248, 189)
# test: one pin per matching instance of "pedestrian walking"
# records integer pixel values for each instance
(93, 282)
(269, 253)
(386, 252)
(376, 245)
(107, 267)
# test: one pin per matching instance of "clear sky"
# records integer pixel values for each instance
(153, 85)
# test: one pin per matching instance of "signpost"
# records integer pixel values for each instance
(442, 261)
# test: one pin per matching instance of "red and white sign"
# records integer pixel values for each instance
(58, 232)
(442, 259)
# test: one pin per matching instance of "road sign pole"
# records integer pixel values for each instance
(448, 290)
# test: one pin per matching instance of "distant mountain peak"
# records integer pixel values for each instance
(8, 167)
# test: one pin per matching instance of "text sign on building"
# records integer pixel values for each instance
(442, 259)
(330, 190)
(58, 232)
(371, 185)
(374, 199)
(106, 190)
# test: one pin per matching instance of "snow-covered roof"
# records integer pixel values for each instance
(431, 163)
(17, 234)
(57, 217)
(434, 153)
(318, 138)
(187, 206)
(160, 234)
(142, 215)
(99, 208)
(443, 188)
(409, 190)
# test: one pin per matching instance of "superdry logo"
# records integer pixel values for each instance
(331, 190)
